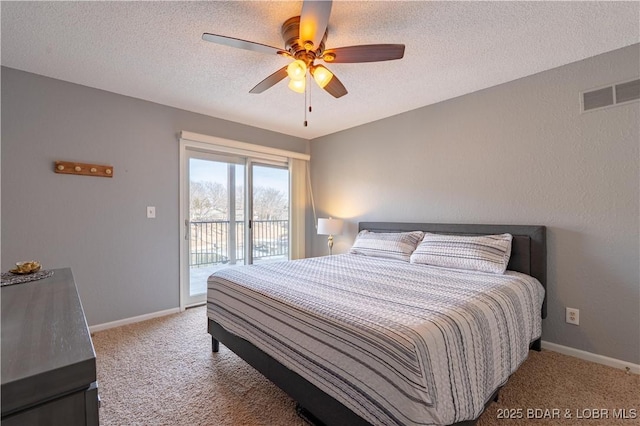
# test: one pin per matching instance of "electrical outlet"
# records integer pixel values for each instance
(151, 212)
(573, 316)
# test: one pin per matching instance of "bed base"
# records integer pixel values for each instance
(536, 345)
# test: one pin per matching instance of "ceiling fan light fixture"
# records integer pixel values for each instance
(321, 75)
(297, 70)
(305, 38)
(297, 85)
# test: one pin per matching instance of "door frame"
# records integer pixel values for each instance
(257, 154)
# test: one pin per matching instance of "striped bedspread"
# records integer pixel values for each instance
(395, 342)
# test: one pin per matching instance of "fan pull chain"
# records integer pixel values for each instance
(309, 85)
(306, 90)
(305, 105)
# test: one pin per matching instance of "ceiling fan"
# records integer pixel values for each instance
(304, 40)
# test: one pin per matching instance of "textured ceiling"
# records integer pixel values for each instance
(154, 51)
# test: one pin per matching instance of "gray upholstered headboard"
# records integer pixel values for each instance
(528, 249)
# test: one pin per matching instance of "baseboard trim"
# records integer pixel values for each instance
(132, 320)
(589, 356)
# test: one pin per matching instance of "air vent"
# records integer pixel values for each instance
(629, 91)
(597, 98)
(615, 94)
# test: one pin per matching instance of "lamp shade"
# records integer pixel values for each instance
(297, 70)
(297, 85)
(330, 226)
(321, 75)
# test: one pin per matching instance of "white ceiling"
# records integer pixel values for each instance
(154, 51)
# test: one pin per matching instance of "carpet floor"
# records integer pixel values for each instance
(162, 372)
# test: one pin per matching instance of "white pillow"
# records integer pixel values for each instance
(392, 245)
(487, 253)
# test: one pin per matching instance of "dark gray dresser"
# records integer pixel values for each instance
(48, 360)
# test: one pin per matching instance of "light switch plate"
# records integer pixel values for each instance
(151, 212)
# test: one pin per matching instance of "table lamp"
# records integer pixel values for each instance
(330, 227)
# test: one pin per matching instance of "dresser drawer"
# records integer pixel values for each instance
(79, 408)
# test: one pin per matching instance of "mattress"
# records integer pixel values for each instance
(395, 342)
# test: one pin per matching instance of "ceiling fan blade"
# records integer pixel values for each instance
(240, 44)
(335, 88)
(314, 19)
(272, 80)
(365, 53)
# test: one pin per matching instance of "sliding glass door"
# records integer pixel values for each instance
(214, 227)
(235, 212)
(270, 219)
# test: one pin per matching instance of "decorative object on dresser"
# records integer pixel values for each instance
(24, 272)
(48, 361)
(330, 227)
(9, 278)
(28, 267)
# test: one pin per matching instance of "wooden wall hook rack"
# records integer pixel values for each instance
(84, 169)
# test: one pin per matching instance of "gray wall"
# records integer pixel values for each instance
(125, 265)
(518, 153)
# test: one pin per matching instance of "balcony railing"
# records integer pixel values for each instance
(211, 241)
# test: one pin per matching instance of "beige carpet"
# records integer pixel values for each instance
(162, 372)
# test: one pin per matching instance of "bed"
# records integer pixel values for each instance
(352, 367)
